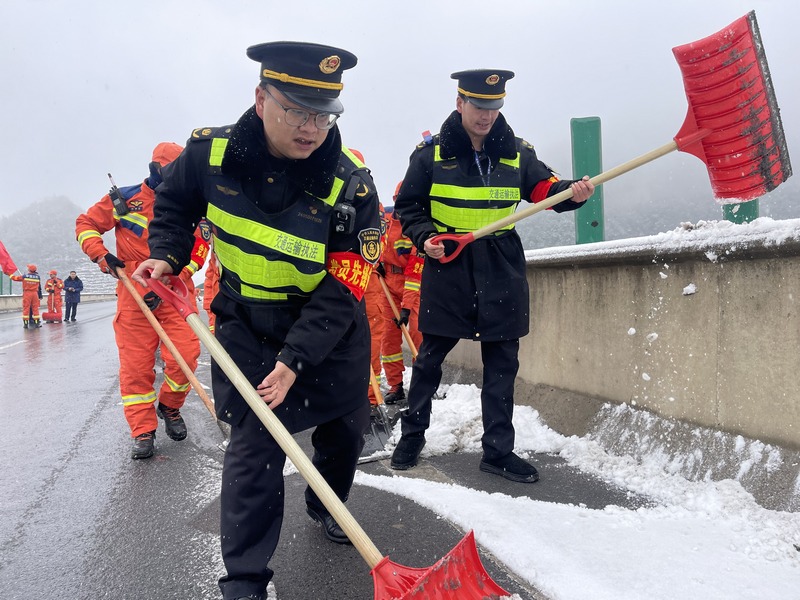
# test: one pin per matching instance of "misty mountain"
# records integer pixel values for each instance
(43, 233)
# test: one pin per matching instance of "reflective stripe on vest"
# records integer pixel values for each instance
(462, 204)
(269, 257)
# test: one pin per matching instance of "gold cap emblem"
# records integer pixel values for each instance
(493, 79)
(330, 65)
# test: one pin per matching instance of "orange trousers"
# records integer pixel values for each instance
(392, 346)
(54, 303)
(137, 342)
(30, 306)
(372, 297)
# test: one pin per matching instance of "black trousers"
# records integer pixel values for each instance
(500, 366)
(253, 493)
(72, 308)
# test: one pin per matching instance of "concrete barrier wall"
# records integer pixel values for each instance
(623, 326)
(12, 303)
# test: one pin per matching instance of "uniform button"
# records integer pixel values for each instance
(229, 415)
(270, 180)
(477, 335)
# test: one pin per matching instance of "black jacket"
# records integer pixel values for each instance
(324, 338)
(483, 293)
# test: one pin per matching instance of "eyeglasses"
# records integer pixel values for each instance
(297, 117)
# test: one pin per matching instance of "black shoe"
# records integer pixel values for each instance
(173, 422)
(329, 525)
(143, 445)
(406, 454)
(24, 325)
(511, 467)
(395, 395)
(251, 597)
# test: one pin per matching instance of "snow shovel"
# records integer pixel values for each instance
(380, 427)
(733, 125)
(459, 575)
(403, 328)
(224, 427)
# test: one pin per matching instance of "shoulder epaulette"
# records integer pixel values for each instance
(526, 144)
(129, 191)
(208, 133)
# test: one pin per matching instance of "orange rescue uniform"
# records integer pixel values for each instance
(136, 338)
(403, 274)
(31, 294)
(53, 287)
(374, 298)
(210, 288)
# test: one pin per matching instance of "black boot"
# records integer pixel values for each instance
(143, 445)
(395, 395)
(512, 467)
(406, 454)
(173, 422)
(329, 525)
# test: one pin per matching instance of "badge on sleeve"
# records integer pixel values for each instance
(370, 243)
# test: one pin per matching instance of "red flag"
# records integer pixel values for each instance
(8, 266)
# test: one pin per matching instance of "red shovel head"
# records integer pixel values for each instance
(733, 112)
(458, 576)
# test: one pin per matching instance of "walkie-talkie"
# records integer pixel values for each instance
(116, 198)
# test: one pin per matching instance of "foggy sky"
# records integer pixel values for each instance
(91, 88)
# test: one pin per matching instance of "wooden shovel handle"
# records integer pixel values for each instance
(167, 342)
(463, 240)
(307, 470)
(396, 312)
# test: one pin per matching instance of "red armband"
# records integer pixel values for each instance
(542, 188)
(352, 270)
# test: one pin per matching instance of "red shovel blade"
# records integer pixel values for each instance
(458, 576)
(733, 123)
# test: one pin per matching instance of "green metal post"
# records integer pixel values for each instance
(743, 212)
(587, 159)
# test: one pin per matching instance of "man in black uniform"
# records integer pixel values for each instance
(294, 216)
(473, 173)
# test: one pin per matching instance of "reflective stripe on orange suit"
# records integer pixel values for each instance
(403, 274)
(136, 338)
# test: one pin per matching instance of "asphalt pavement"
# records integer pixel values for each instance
(81, 520)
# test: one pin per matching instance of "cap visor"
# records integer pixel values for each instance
(485, 104)
(318, 104)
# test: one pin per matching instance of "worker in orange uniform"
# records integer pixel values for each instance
(53, 287)
(210, 288)
(128, 211)
(31, 295)
(374, 301)
(403, 267)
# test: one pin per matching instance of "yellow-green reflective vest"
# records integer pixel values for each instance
(270, 258)
(462, 203)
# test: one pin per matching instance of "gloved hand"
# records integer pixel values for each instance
(109, 263)
(152, 300)
(381, 270)
(40, 293)
(403, 320)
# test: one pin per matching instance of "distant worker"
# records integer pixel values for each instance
(403, 267)
(128, 211)
(210, 288)
(73, 286)
(31, 296)
(53, 287)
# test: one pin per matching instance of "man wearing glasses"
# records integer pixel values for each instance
(294, 216)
